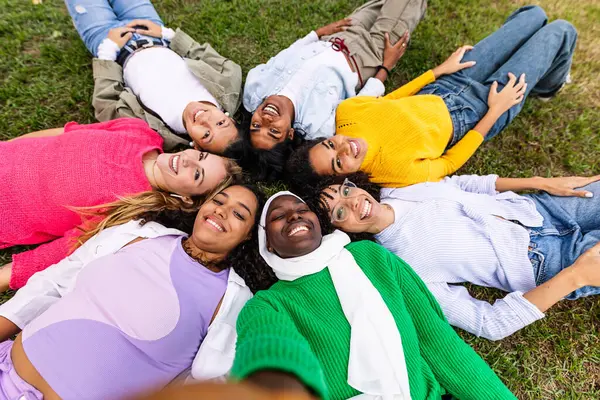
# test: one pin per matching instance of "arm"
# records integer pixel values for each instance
(491, 321)
(41, 291)
(43, 133)
(454, 158)
(269, 347)
(475, 183)
(412, 87)
(455, 364)
(29, 262)
(564, 186)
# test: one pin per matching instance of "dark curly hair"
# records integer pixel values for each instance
(245, 259)
(298, 170)
(313, 195)
(263, 165)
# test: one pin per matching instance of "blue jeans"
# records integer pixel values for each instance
(94, 18)
(527, 44)
(571, 226)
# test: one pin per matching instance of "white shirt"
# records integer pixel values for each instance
(164, 84)
(455, 235)
(216, 353)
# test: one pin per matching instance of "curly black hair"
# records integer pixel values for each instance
(314, 194)
(263, 165)
(298, 170)
(245, 259)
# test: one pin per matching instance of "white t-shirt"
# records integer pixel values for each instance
(164, 84)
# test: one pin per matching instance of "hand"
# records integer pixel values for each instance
(120, 35)
(566, 186)
(334, 27)
(453, 63)
(587, 267)
(512, 94)
(146, 27)
(393, 52)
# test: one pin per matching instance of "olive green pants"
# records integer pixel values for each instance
(365, 38)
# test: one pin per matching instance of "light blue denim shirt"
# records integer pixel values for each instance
(316, 105)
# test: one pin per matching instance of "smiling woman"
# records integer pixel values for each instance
(388, 338)
(183, 89)
(93, 305)
(50, 173)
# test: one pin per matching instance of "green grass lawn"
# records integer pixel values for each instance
(46, 80)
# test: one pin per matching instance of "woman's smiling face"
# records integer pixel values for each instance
(190, 172)
(292, 229)
(209, 127)
(225, 221)
(351, 209)
(338, 155)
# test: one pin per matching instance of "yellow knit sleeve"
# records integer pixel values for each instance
(455, 157)
(412, 87)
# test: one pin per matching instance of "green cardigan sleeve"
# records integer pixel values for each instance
(457, 367)
(268, 340)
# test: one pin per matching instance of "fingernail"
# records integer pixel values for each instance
(589, 194)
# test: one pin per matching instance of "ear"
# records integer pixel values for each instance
(187, 200)
(291, 133)
(269, 248)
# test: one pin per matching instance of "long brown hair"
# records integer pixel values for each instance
(154, 205)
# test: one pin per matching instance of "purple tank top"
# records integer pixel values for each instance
(133, 322)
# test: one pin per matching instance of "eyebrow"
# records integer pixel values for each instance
(245, 206)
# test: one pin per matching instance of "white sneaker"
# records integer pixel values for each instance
(547, 98)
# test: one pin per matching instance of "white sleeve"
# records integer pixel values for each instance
(168, 33)
(43, 289)
(491, 321)
(474, 183)
(108, 50)
(374, 87)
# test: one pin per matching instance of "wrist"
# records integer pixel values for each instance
(319, 32)
(572, 277)
(539, 183)
(438, 71)
(494, 112)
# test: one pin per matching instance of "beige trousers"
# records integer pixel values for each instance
(365, 38)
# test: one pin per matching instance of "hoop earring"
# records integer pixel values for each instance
(177, 196)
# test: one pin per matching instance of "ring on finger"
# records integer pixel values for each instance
(403, 44)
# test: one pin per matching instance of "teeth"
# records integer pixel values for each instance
(298, 229)
(354, 148)
(174, 163)
(366, 210)
(271, 108)
(213, 223)
(197, 114)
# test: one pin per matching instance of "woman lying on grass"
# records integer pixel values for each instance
(145, 70)
(539, 247)
(349, 318)
(47, 173)
(430, 127)
(300, 88)
(137, 304)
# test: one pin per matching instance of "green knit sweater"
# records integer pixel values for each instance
(299, 327)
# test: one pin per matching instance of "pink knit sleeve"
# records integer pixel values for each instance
(29, 262)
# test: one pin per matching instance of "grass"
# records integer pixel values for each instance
(46, 80)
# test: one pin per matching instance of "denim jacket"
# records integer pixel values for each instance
(321, 95)
(221, 77)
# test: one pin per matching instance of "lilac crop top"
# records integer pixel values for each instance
(133, 322)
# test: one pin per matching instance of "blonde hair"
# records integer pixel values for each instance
(146, 206)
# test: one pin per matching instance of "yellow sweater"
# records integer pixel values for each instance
(407, 135)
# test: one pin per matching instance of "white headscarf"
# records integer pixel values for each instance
(376, 366)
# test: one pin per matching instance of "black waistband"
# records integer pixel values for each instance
(133, 46)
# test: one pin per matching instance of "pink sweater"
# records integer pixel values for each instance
(87, 165)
